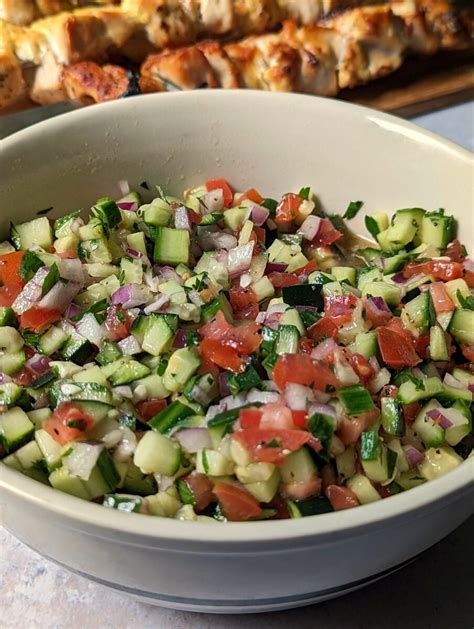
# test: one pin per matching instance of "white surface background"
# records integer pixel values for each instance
(435, 592)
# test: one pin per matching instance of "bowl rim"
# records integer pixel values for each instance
(432, 495)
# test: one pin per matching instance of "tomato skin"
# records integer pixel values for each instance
(410, 411)
(225, 357)
(67, 255)
(222, 184)
(255, 440)
(340, 308)
(306, 345)
(279, 279)
(287, 209)
(117, 323)
(362, 367)
(439, 269)
(301, 491)
(250, 418)
(469, 278)
(58, 424)
(421, 345)
(396, 348)
(308, 268)
(194, 217)
(300, 419)
(468, 352)
(441, 301)
(323, 329)
(237, 504)
(252, 195)
(374, 316)
(244, 302)
(341, 497)
(226, 345)
(301, 369)
(327, 234)
(8, 294)
(454, 251)
(150, 408)
(37, 319)
(201, 488)
(349, 430)
(24, 377)
(10, 267)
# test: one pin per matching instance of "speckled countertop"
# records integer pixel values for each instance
(434, 592)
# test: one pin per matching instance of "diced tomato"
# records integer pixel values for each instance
(38, 319)
(439, 269)
(287, 209)
(276, 417)
(410, 411)
(389, 390)
(374, 315)
(362, 367)
(117, 323)
(302, 490)
(244, 302)
(237, 504)
(281, 508)
(279, 279)
(250, 417)
(244, 338)
(8, 294)
(308, 268)
(306, 345)
(421, 345)
(341, 497)
(268, 445)
(329, 476)
(439, 296)
(455, 251)
(10, 267)
(68, 423)
(468, 352)
(201, 488)
(225, 357)
(397, 350)
(315, 444)
(222, 184)
(469, 278)
(300, 419)
(252, 195)
(340, 308)
(349, 430)
(194, 217)
(24, 377)
(323, 329)
(301, 369)
(207, 366)
(67, 255)
(150, 408)
(327, 234)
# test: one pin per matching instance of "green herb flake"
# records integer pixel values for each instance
(352, 209)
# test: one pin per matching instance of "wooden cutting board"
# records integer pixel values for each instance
(420, 85)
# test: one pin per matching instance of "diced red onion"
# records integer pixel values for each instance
(180, 339)
(310, 227)
(214, 410)
(471, 387)
(275, 267)
(265, 397)
(167, 273)
(413, 456)
(451, 381)
(126, 446)
(374, 363)
(210, 240)
(42, 402)
(130, 346)
(200, 395)
(213, 201)
(194, 439)
(131, 295)
(60, 296)
(138, 255)
(245, 280)
(441, 366)
(128, 206)
(222, 256)
(123, 391)
(158, 304)
(259, 215)
(4, 378)
(232, 402)
(379, 304)
(468, 265)
(82, 460)
(164, 482)
(38, 363)
(322, 351)
(239, 259)
(439, 417)
(90, 329)
(310, 308)
(31, 292)
(195, 298)
(399, 278)
(72, 311)
(323, 409)
(71, 270)
(418, 373)
(181, 218)
(298, 396)
(223, 386)
(124, 187)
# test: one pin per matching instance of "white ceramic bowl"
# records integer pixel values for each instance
(275, 143)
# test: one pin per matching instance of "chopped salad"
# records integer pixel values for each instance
(231, 357)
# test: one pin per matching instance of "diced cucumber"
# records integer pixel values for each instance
(365, 343)
(462, 326)
(380, 469)
(390, 293)
(209, 311)
(175, 292)
(431, 433)
(345, 274)
(36, 232)
(157, 213)
(265, 490)
(392, 416)
(77, 349)
(109, 352)
(151, 386)
(411, 392)
(463, 376)
(135, 482)
(171, 246)
(299, 467)
(131, 271)
(50, 449)
(439, 461)
(438, 345)
(127, 372)
(292, 317)
(94, 251)
(7, 317)
(52, 340)
(94, 229)
(155, 332)
(366, 276)
(319, 277)
(213, 463)
(68, 390)
(453, 286)
(404, 227)
(418, 314)
(263, 288)
(92, 374)
(355, 399)
(182, 364)
(461, 420)
(346, 463)
(15, 428)
(107, 212)
(288, 340)
(155, 453)
(363, 489)
(171, 418)
(12, 363)
(410, 479)
(39, 416)
(63, 480)
(235, 217)
(436, 230)
(137, 242)
(97, 410)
